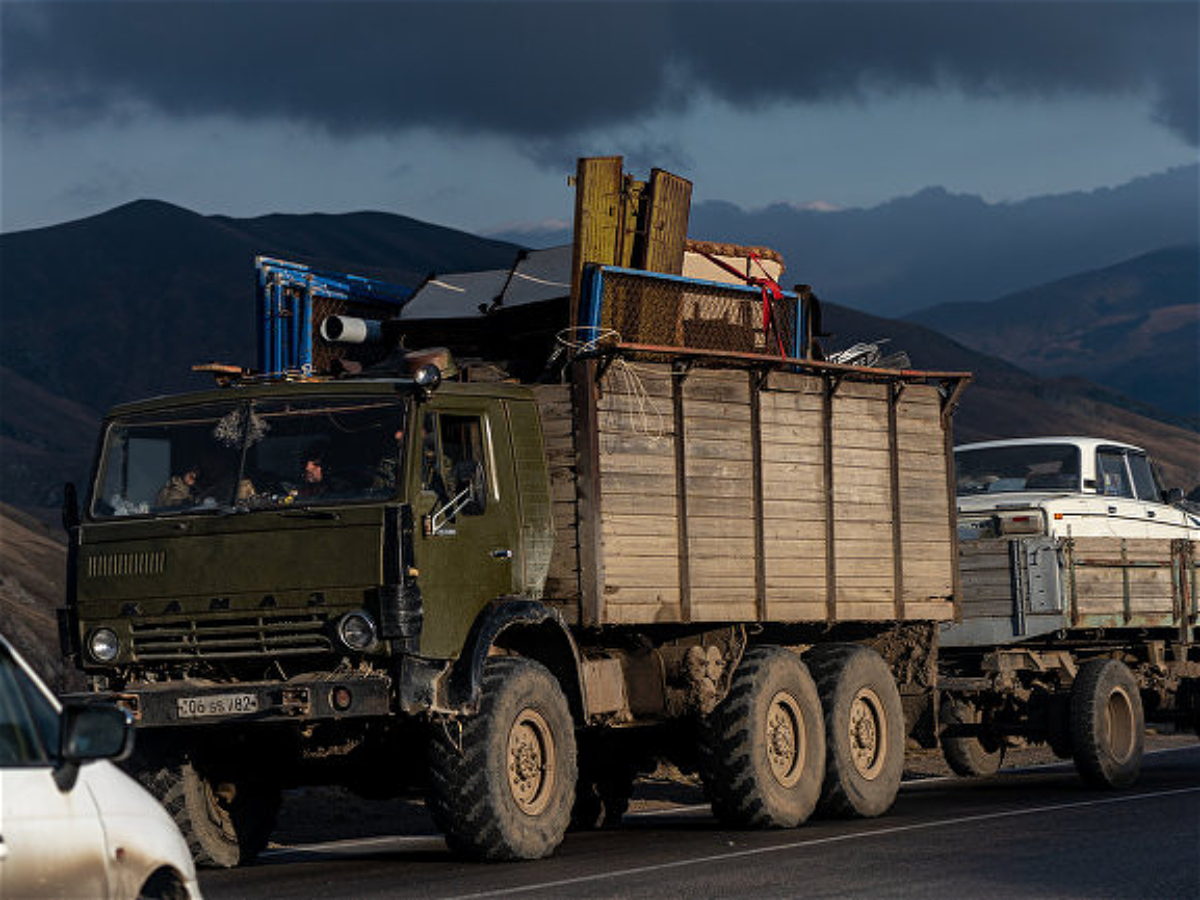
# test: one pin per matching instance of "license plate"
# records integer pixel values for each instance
(217, 705)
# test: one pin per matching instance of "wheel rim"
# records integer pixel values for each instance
(868, 733)
(786, 746)
(1120, 725)
(530, 762)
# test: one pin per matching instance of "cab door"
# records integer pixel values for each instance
(466, 508)
(1126, 516)
(1161, 519)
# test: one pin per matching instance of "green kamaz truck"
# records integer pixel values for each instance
(687, 539)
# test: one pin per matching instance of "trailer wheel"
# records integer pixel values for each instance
(1107, 724)
(762, 749)
(970, 756)
(864, 730)
(502, 781)
(226, 822)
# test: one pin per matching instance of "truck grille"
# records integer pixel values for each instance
(231, 638)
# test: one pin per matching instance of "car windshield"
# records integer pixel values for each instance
(250, 455)
(1022, 467)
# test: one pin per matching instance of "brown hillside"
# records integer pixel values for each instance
(33, 560)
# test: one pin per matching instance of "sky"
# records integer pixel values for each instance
(471, 114)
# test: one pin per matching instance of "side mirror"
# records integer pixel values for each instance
(91, 731)
(1172, 496)
(70, 507)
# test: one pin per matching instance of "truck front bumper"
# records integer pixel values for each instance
(306, 698)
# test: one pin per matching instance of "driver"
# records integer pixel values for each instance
(180, 490)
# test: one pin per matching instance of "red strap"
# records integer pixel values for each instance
(770, 291)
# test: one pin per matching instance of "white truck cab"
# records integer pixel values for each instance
(1064, 487)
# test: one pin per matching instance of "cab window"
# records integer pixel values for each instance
(170, 462)
(1143, 478)
(1111, 474)
(453, 462)
(322, 450)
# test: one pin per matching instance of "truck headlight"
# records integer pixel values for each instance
(103, 645)
(357, 630)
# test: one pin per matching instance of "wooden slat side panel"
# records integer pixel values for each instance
(793, 497)
(641, 489)
(862, 503)
(719, 468)
(558, 433)
(926, 542)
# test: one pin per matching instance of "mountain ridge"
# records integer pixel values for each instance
(1133, 326)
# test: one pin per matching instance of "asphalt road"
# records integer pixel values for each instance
(1034, 833)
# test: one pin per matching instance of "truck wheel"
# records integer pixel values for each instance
(225, 823)
(864, 730)
(970, 756)
(502, 781)
(1107, 724)
(763, 747)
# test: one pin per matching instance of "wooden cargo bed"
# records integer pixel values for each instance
(1022, 588)
(718, 495)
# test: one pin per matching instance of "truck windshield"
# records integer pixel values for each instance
(250, 455)
(1023, 467)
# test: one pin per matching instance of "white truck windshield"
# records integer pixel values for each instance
(1023, 467)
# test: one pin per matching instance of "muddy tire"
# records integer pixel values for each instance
(226, 823)
(970, 756)
(502, 784)
(1107, 724)
(762, 749)
(864, 730)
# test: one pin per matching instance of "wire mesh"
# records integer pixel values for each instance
(696, 316)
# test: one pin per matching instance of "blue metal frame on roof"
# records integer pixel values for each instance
(592, 293)
(285, 291)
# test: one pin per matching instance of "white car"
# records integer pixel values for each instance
(71, 823)
(1065, 487)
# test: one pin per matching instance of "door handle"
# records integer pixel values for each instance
(501, 554)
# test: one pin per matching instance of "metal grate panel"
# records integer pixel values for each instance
(701, 315)
(231, 638)
(114, 565)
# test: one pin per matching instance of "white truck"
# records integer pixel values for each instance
(1065, 487)
(1079, 606)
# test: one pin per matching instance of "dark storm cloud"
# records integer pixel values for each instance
(543, 72)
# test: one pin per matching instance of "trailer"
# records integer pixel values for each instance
(1079, 607)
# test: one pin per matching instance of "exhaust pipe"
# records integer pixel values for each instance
(351, 330)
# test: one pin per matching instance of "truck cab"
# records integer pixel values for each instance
(1064, 487)
(275, 526)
